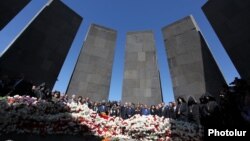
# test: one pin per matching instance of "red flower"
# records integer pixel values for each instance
(168, 133)
(154, 118)
(11, 100)
(156, 126)
(104, 116)
(105, 129)
(99, 132)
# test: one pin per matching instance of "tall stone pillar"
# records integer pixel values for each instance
(230, 20)
(39, 52)
(92, 74)
(192, 67)
(141, 82)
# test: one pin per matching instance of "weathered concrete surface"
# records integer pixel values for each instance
(92, 74)
(192, 67)
(230, 20)
(39, 52)
(141, 82)
(9, 9)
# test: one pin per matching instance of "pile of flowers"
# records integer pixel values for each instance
(24, 114)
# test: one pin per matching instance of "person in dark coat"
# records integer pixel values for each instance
(79, 100)
(108, 107)
(113, 111)
(172, 112)
(193, 111)
(160, 111)
(152, 110)
(118, 111)
(181, 109)
(202, 110)
(157, 110)
(165, 110)
(212, 112)
(137, 110)
(102, 108)
(130, 111)
(145, 111)
(95, 107)
(123, 110)
(88, 102)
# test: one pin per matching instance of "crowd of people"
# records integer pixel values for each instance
(231, 110)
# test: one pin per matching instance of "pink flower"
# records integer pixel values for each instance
(11, 100)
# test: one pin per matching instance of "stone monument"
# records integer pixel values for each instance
(192, 67)
(92, 74)
(230, 20)
(141, 82)
(39, 52)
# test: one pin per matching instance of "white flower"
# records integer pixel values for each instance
(47, 114)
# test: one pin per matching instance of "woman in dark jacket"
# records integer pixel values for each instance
(113, 111)
(209, 111)
(172, 112)
(152, 110)
(212, 112)
(137, 110)
(193, 111)
(181, 109)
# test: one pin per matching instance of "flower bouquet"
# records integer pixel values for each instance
(24, 114)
